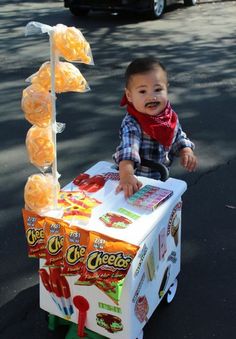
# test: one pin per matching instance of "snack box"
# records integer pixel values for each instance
(123, 309)
(149, 197)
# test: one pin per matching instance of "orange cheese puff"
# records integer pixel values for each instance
(37, 106)
(39, 192)
(34, 233)
(71, 44)
(54, 239)
(107, 258)
(67, 78)
(40, 147)
(74, 248)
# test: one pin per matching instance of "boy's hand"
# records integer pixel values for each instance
(187, 159)
(129, 184)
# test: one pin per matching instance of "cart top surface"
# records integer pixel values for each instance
(143, 221)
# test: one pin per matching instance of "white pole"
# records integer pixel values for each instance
(53, 124)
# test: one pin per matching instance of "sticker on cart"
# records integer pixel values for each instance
(58, 288)
(140, 284)
(174, 223)
(141, 256)
(90, 184)
(151, 269)
(176, 211)
(129, 213)
(174, 230)
(172, 257)
(164, 282)
(149, 197)
(115, 220)
(111, 308)
(77, 206)
(141, 309)
(114, 176)
(109, 322)
(111, 288)
(82, 306)
(162, 244)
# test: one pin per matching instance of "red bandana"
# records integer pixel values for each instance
(161, 128)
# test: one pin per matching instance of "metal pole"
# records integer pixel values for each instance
(53, 124)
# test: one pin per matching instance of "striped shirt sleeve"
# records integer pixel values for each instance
(180, 141)
(130, 138)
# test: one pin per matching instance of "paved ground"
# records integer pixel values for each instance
(198, 46)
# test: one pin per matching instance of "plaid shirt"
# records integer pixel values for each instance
(135, 145)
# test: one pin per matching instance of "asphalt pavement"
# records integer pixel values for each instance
(198, 48)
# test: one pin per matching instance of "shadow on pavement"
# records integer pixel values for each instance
(22, 318)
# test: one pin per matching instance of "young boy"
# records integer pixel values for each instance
(150, 130)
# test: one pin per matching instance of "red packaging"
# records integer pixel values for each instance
(54, 238)
(107, 258)
(74, 248)
(34, 233)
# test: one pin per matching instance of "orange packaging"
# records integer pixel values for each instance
(39, 192)
(40, 147)
(67, 78)
(71, 44)
(34, 233)
(74, 248)
(107, 258)
(36, 103)
(54, 238)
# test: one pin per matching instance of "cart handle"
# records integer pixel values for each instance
(162, 169)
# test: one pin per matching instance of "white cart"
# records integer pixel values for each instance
(152, 275)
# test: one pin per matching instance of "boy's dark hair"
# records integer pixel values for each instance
(142, 65)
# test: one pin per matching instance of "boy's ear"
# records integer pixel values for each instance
(128, 95)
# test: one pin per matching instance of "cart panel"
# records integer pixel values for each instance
(153, 270)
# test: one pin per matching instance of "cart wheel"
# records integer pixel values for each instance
(171, 292)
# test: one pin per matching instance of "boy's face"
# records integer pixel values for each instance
(148, 91)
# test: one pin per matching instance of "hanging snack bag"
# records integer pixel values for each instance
(40, 147)
(54, 238)
(74, 248)
(107, 258)
(37, 106)
(67, 78)
(34, 233)
(71, 44)
(39, 192)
